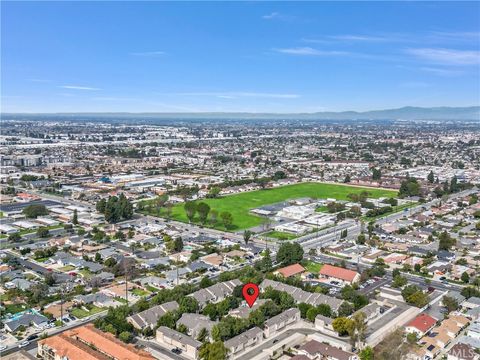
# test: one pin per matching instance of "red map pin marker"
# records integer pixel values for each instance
(250, 293)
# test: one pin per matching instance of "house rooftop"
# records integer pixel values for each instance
(338, 272)
(422, 322)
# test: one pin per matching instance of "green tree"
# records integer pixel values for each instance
(450, 303)
(289, 253)
(43, 232)
(247, 234)
(15, 237)
(446, 241)
(214, 192)
(33, 211)
(227, 219)
(100, 206)
(125, 336)
(399, 281)
(169, 320)
(178, 244)
(202, 335)
(75, 217)
(412, 338)
(431, 177)
(205, 282)
(182, 328)
(213, 351)
(188, 304)
(345, 309)
(203, 209)
(465, 277)
(190, 210)
(342, 325)
(376, 174)
(366, 353)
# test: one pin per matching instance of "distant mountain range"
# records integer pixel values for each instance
(404, 113)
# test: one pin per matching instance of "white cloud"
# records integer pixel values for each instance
(415, 84)
(447, 56)
(148, 53)
(364, 38)
(236, 94)
(76, 87)
(273, 15)
(441, 71)
(278, 16)
(308, 51)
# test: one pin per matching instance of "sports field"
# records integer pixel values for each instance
(239, 205)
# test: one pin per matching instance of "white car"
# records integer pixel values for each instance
(23, 344)
(3, 347)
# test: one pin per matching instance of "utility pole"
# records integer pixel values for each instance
(126, 279)
(176, 267)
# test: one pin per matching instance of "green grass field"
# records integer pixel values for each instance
(82, 313)
(140, 292)
(239, 205)
(280, 235)
(314, 267)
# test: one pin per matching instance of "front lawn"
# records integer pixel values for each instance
(313, 267)
(81, 313)
(67, 268)
(140, 292)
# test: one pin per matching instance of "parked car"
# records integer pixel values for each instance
(176, 351)
(32, 337)
(23, 344)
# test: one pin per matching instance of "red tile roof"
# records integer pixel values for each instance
(88, 343)
(338, 272)
(291, 270)
(422, 322)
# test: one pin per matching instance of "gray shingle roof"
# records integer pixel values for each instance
(302, 296)
(178, 336)
(215, 292)
(150, 316)
(283, 317)
(243, 338)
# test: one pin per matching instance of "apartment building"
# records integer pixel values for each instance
(88, 343)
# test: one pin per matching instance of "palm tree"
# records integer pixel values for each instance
(247, 234)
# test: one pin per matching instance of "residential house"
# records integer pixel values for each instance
(244, 341)
(472, 303)
(149, 317)
(336, 273)
(195, 323)
(302, 296)
(279, 322)
(291, 270)
(421, 325)
(318, 351)
(98, 299)
(87, 342)
(172, 339)
(26, 320)
(215, 293)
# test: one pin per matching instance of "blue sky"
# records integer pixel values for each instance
(238, 56)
